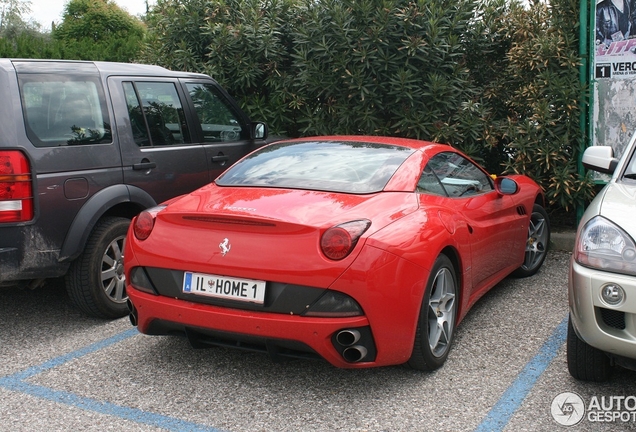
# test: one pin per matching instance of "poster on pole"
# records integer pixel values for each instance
(613, 74)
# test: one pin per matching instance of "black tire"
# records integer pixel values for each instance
(438, 315)
(95, 281)
(537, 243)
(585, 362)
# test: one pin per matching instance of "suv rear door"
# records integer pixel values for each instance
(176, 135)
(154, 127)
(220, 126)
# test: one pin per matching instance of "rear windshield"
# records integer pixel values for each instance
(334, 166)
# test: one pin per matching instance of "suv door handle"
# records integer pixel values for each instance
(220, 158)
(145, 165)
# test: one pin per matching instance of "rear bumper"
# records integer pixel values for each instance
(23, 256)
(388, 288)
(607, 328)
(164, 315)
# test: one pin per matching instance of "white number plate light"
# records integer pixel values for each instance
(224, 287)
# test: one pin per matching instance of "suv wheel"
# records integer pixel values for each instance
(95, 281)
(585, 362)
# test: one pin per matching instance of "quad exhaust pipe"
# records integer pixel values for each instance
(132, 313)
(354, 353)
(348, 337)
(354, 350)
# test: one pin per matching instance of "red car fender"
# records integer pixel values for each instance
(389, 290)
(388, 280)
(130, 260)
(422, 236)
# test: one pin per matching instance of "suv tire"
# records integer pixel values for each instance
(585, 362)
(95, 281)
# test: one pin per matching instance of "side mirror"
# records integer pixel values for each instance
(506, 186)
(600, 158)
(259, 130)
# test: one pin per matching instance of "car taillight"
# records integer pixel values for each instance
(145, 222)
(338, 241)
(16, 187)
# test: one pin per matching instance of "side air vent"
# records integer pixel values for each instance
(521, 210)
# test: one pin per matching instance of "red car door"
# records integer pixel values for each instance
(496, 229)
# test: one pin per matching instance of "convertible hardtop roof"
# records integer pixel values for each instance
(397, 141)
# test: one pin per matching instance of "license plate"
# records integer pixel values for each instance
(224, 287)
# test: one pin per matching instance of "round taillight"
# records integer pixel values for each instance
(336, 243)
(144, 224)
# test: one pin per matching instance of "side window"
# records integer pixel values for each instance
(64, 110)
(429, 183)
(156, 114)
(218, 121)
(136, 115)
(459, 176)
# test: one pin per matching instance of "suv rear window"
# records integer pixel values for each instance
(64, 110)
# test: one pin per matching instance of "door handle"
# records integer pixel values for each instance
(145, 165)
(220, 158)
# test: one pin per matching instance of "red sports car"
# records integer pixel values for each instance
(365, 251)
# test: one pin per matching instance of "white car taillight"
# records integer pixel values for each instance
(605, 246)
(16, 187)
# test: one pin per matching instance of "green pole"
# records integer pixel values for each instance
(583, 78)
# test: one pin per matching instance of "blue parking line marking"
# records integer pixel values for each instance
(496, 419)
(35, 370)
(499, 415)
(15, 382)
(122, 412)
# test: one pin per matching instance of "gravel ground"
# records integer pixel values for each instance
(62, 371)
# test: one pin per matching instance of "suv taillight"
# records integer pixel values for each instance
(16, 187)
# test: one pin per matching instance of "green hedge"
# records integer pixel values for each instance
(495, 79)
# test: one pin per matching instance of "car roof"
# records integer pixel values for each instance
(397, 141)
(104, 68)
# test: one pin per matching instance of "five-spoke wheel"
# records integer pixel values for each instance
(436, 324)
(537, 242)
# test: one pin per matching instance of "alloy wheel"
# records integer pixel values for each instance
(112, 272)
(441, 312)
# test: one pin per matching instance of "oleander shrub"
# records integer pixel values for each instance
(495, 78)
(246, 45)
(543, 96)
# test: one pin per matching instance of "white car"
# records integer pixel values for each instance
(602, 277)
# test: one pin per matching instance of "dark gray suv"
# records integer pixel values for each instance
(84, 147)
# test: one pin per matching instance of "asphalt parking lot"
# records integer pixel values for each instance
(61, 371)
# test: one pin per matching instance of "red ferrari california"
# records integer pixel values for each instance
(364, 251)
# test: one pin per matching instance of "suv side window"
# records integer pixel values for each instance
(457, 176)
(218, 122)
(156, 114)
(64, 110)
